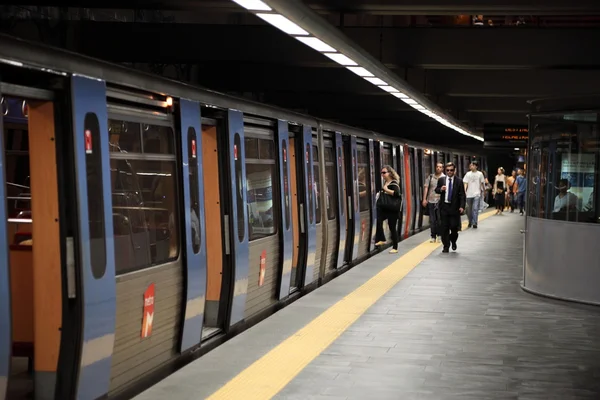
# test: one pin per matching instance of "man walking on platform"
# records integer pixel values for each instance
(451, 205)
(474, 187)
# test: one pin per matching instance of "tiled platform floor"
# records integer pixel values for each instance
(456, 327)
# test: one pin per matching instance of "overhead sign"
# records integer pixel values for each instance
(505, 135)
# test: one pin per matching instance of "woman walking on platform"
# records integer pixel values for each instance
(388, 207)
(499, 190)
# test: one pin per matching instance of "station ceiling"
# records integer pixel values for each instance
(477, 74)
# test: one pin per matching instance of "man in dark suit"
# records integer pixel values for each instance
(452, 204)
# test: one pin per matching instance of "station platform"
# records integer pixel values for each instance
(415, 325)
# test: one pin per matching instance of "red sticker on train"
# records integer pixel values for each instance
(88, 141)
(148, 311)
(263, 268)
(193, 148)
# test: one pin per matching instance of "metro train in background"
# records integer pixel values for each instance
(149, 220)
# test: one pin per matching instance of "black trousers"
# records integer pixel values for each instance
(450, 225)
(392, 219)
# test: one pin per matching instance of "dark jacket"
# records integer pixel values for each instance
(459, 197)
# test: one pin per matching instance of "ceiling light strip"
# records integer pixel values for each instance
(284, 24)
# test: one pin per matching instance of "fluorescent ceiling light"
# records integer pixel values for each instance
(255, 5)
(409, 101)
(417, 107)
(360, 71)
(316, 44)
(341, 59)
(388, 89)
(281, 22)
(377, 81)
(400, 95)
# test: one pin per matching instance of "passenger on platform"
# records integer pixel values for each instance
(566, 201)
(391, 187)
(499, 190)
(452, 205)
(475, 189)
(521, 190)
(431, 198)
(511, 191)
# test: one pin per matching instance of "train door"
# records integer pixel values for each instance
(364, 198)
(303, 191)
(30, 276)
(427, 171)
(352, 190)
(342, 200)
(331, 203)
(34, 185)
(412, 173)
(407, 214)
(319, 253)
(388, 159)
(214, 165)
(418, 173)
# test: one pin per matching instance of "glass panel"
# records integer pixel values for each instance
(309, 186)
(251, 147)
(330, 184)
(563, 172)
(363, 193)
(266, 149)
(239, 184)
(95, 195)
(124, 136)
(194, 202)
(316, 186)
(145, 213)
(286, 187)
(158, 139)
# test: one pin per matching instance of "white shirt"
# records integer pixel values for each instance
(448, 180)
(474, 181)
(566, 202)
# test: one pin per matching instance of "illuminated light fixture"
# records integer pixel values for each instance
(316, 44)
(377, 81)
(417, 107)
(254, 5)
(169, 101)
(284, 24)
(400, 95)
(516, 148)
(341, 59)
(388, 89)
(409, 101)
(360, 71)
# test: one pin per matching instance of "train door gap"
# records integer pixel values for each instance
(215, 306)
(296, 276)
(31, 187)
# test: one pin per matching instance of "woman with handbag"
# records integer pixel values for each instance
(388, 207)
(499, 188)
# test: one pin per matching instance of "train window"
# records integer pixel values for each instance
(427, 164)
(330, 183)
(316, 185)
(363, 187)
(309, 186)
(261, 177)
(251, 147)
(194, 188)
(562, 178)
(144, 193)
(286, 187)
(239, 186)
(124, 136)
(95, 195)
(341, 178)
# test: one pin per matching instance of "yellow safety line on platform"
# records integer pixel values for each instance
(272, 372)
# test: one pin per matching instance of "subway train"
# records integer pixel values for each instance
(133, 200)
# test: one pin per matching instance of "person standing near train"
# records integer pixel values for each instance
(431, 198)
(474, 188)
(452, 204)
(388, 207)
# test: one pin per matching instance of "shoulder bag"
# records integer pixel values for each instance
(388, 202)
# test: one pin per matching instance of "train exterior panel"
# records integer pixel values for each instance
(185, 216)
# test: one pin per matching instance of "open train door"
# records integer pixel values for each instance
(5, 315)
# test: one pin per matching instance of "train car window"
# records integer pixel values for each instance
(316, 187)
(251, 147)
(387, 157)
(194, 200)
(426, 164)
(286, 185)
(561, 181)
(261, 178)
(363, 186)
(239, 186)
(125, 137)
(95, 196)
(144, 192)
(330, 183)
(311, 214)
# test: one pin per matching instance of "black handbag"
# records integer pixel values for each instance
(389, 203)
